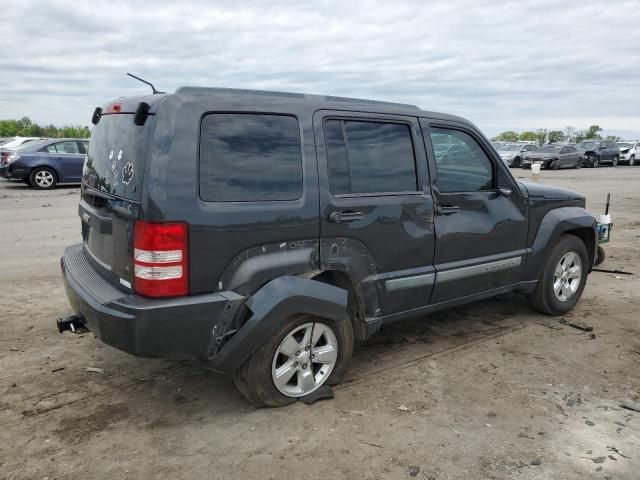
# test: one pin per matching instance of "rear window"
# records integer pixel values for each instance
(249, 158)
(116, 156)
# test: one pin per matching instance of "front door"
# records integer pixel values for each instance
(481, 219)
(376, 207)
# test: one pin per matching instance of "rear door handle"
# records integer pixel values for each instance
(447, 209)
(345, 216)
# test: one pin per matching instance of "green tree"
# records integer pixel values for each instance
(528, 136)
(556, 136)
(613, 138)
(579, 135)
(593, 132)
(508, 136)
(541, 135)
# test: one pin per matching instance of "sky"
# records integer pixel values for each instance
(503, 65)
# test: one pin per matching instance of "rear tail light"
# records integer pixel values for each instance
(160, 259)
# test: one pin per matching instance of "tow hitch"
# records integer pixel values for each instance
(74, 323)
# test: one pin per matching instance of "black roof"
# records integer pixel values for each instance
(327, 102)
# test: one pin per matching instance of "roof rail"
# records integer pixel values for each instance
(266, 93)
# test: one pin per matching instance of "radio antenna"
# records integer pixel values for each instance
(144, 81)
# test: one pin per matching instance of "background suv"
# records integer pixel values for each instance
(629, 151)
(597, 152)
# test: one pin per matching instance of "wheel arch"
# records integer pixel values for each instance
(565, 220)
(355, 302)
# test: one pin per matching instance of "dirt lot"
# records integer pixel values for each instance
(489, 390)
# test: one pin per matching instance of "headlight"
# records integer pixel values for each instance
(585, 157)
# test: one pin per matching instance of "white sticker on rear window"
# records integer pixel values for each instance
(127, 173)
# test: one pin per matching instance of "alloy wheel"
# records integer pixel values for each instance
(304, 359)
(44, 179)
(567, 276)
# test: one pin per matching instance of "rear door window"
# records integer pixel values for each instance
(369, 157)
(250, 158)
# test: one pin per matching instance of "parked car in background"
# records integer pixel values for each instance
(597, 152)
(497, 145)
(13, 143)
(46, 163)
(629, 151)
(513, 153)
(554, 156)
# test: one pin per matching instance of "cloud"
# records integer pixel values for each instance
(514, 64)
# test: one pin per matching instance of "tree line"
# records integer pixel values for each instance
(542, 135)
(26, 128)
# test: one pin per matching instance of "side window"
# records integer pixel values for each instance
(50, 148)
(67, 147)
(461, 164)
(369, 157)
(250, 158)
(564, 150)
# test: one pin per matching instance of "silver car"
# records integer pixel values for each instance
(513, 153)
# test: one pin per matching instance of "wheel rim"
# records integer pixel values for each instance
(304, 359)
(567, 276)
(44, 178)
(631, 161)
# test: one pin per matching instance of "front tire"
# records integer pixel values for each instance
(563, 277)
(43, 178)
(302, 355)
(595, 163)
(632, 160)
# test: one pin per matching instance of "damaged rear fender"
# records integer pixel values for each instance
(279, 299)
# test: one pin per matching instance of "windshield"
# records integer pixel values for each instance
(510, 147)
(624, 145)
(588, 145)
(550, 149)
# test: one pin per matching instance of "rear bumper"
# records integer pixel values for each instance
(9, 172)
(176, 328)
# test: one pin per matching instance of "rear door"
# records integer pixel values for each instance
(111, 193)
(376, 210)
(481, 220)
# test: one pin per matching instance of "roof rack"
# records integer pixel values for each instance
(266, 93)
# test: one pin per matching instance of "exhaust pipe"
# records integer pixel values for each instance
(74, 323)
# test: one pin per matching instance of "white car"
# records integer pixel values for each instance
(513, 153)
(629, 151)
(17, 142)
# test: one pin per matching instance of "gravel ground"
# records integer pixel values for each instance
(488, 390)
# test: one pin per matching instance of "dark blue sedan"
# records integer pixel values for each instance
(46, 163)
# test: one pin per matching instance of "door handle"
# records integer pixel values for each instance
(447, 209)
(345, 216)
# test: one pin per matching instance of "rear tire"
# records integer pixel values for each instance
(255, 377)
(614, 162)
(601, 256)
(561, 284)
(632, 160)
(579, 164)
(43, 178)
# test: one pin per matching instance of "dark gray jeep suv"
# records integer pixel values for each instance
(263, 232)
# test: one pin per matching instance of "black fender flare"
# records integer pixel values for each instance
(555, 223)
(279, 299)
